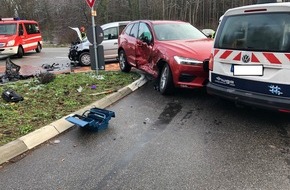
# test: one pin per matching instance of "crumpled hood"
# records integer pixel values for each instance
(196, 49)
(5, 38)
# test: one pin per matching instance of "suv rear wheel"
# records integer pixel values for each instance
(123, 63)
(165, 81)
(85, 59)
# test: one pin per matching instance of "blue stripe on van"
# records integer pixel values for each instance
(273, 89)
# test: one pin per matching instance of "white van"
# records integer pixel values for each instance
(79, 52)
(250, 62)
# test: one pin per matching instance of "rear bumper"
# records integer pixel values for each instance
(249, 98)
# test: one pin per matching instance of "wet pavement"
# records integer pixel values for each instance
(32, 70)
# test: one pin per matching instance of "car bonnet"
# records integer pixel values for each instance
(77, 30)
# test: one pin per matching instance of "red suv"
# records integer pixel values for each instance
(175, 52)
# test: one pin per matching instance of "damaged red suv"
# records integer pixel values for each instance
(174, 52)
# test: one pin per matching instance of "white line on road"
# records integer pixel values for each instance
(61, 57)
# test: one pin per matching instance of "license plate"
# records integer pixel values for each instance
(248, 70)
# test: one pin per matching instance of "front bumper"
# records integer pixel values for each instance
(191, 76)
(73, 55)
(9, 50)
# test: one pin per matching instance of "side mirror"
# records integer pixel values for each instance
(146, 40)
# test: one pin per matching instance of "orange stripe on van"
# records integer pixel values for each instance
(225, 54)
(272, 58)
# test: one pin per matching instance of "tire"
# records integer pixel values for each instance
(85, 59)
(166, 86)
(123, 63)
(38, 48)
(20, 52)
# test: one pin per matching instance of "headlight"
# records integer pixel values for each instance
(11, 43)
(187, 61)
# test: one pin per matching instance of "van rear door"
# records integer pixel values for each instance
(255, 46)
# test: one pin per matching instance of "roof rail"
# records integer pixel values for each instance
(268, 1)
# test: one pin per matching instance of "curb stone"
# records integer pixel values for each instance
(39, 136)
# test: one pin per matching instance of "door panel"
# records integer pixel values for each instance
(143, 49)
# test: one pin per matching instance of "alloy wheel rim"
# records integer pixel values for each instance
(163, 78)
(122, 61)
(86, 60)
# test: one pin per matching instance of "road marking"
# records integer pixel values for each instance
(61, 57)
(32, 56)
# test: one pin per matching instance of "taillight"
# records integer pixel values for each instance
(284, 110)
(210, 63)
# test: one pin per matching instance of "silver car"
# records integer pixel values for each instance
(79, 51)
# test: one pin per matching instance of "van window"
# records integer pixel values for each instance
(121, 28)
(20, 30)
(111, 33)
(9, 29)
(31, 28)
(256, 32)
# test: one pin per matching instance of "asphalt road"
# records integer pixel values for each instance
(46, 56)
(187, 141)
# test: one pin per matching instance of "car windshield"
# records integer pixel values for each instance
(256, 32)
(177, 31)
(8, 29)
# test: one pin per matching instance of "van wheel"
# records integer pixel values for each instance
(123, 63)
(85, 59)
(38, 48)
(20, 52)
(166, 86)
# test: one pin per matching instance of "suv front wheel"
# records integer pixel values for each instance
(165, 81)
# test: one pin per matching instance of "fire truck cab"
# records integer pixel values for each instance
(19, 36)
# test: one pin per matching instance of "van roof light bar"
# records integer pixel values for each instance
(9, 19)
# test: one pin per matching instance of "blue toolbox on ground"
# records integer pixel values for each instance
(93, 119)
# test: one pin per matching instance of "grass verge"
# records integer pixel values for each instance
(45, 103)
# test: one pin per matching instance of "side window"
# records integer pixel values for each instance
(121, 28)
(36, 28)
(20, 30)
(144, 32)
(128, 29)
(111, 33)
(31, 28)
(134, 30)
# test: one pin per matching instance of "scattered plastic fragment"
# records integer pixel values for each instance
(80, 89)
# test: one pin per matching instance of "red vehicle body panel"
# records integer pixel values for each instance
(146, 56)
